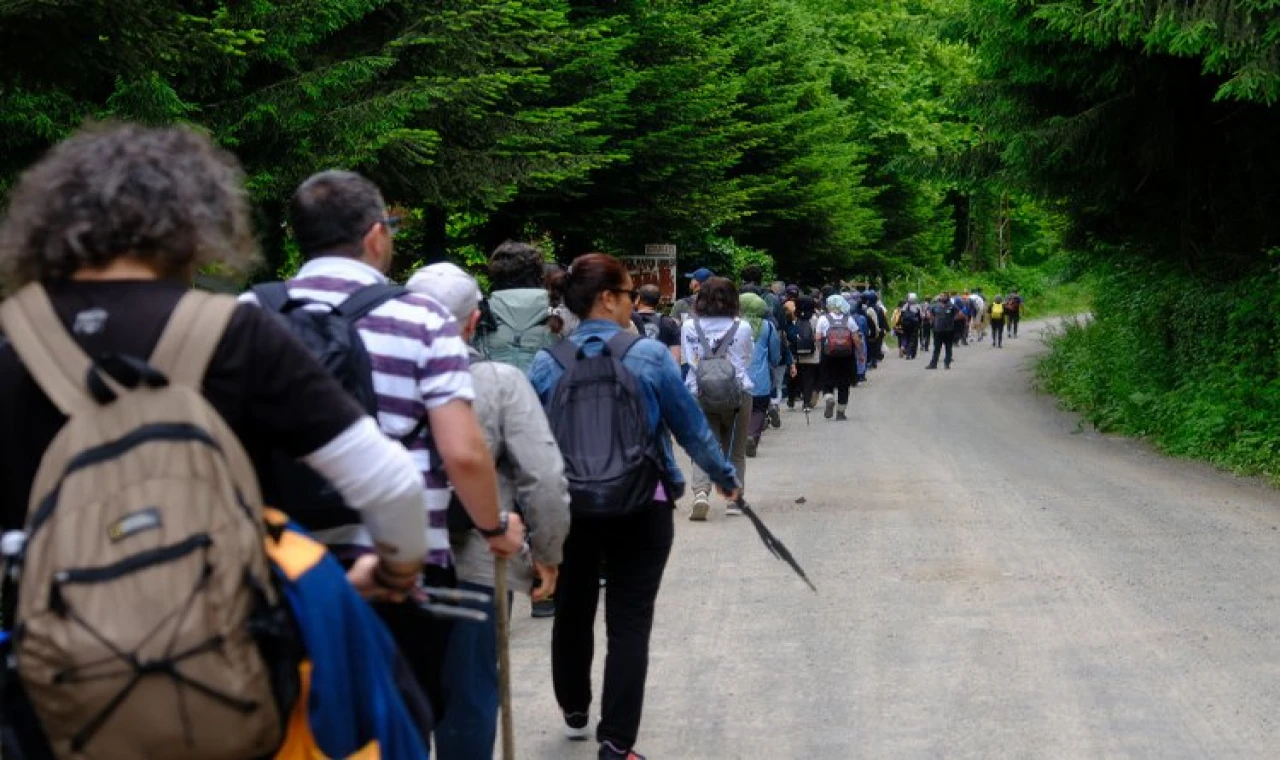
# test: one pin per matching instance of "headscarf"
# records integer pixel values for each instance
(754, 310)
(837, 305)
(911, 298)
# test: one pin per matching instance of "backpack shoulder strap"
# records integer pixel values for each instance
(272, 295)
(191, 336)
(358, 305)
(702, 336)
(622, 343)
(565, 353)
(727, 340)
(58, 365)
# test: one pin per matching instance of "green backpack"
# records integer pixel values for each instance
(518, 330)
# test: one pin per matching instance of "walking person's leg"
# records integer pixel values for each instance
(469, 726)
(808, 382)
(573, 634)
(736, 451)
(759, 412)
(937, 347)
(948, 341)
(843, 382)
(636, 550)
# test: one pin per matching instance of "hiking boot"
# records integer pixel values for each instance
(544, 609)
(775, 419)
(752, 445)
(830, 409)
(841, 417)
(701, 506)
(930, 366)
(732, 509)
(577, 727)
(610, 751)
(791, 403)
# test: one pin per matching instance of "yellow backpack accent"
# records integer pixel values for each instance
(997, 311)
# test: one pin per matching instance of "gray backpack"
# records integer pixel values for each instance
(520, 327)
(719, 389)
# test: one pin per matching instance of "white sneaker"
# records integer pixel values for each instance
(701, 507)
(830, 411)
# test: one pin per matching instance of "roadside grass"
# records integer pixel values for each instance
(1189, 365)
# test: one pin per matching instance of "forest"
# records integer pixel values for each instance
(1128, 142)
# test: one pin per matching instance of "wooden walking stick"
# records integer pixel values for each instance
(503, 606)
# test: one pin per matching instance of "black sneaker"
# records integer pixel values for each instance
(752, 445)
(577, 727)
(775, 419)
(841, 417)
(544, 609)
(610, 751)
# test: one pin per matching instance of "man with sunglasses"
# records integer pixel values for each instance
(422, 382)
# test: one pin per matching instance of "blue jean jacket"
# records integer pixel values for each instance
(766, 356)
(671, 408)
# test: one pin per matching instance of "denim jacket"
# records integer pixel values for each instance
(671, 408)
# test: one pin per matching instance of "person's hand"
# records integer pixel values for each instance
(377, 580)
(509, 544)
(794, 370)
(548, 576)
(732, 495)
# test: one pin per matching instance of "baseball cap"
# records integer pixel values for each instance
(449, 286)
(701, 275)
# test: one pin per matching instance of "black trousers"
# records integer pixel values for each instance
(926, 334)
(838, 376)
(997, 333)
(805, 383)
(1014, 317)
(942, 340)
(423, 639)
(910, 339)
(634, 551)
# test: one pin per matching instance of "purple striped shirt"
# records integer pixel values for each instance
(419, 363)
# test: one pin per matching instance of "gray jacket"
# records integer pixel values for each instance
(530, 470)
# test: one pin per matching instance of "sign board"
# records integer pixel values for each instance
(656, 267)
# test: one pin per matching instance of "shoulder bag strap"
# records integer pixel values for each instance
(272, 295)
(622, 343)
(702, 337)
(727, 340)
(58, 365)
(191, 336)
(565, 353)
(358, 305)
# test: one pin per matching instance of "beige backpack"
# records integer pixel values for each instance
(144, 564)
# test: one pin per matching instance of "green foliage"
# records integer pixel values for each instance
(1191, 365)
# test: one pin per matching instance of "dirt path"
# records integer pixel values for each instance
(995, 583)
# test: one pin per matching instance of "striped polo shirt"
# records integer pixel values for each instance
(420, 362)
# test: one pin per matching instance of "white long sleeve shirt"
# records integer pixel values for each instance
(715, 329)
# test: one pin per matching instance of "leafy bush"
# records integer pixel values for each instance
(1190, 364)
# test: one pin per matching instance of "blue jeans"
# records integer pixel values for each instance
(469, 726)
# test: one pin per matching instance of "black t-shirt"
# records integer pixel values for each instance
(663, 329)
(263, 382)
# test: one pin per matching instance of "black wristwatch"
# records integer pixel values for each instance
(497, 532)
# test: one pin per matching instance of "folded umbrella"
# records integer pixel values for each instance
(771, 542)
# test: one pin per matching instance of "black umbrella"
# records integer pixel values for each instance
(771, 542)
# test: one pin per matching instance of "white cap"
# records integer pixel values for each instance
(449, 286)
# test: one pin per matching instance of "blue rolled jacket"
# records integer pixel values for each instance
(766, 356)
(671, 408)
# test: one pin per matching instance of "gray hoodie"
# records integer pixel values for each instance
(530, 470)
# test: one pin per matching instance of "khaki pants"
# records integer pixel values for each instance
(730, 429)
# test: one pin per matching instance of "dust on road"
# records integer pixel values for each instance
(996, 582)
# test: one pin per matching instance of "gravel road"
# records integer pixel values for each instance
(995, 582)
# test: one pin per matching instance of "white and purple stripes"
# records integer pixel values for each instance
(419, 362)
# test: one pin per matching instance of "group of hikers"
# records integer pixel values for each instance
(954, 318)
(275, 525)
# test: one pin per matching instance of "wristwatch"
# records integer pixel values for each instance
(497, 532)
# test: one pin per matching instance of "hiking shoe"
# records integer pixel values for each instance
(830, 410)
(930, 366)
(841, 417)
(610, 751)
(544, 609)
(791, 403)
(732, 509)
(701, 506)
(577, 727)
(752, 445)
(775, 419)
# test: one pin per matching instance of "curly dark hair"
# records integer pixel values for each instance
(167, 196)
(516, 265)
(718, 297)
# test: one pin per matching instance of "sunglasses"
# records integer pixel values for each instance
(631, 294)
(392, 223)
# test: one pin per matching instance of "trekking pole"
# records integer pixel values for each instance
(504, 657)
